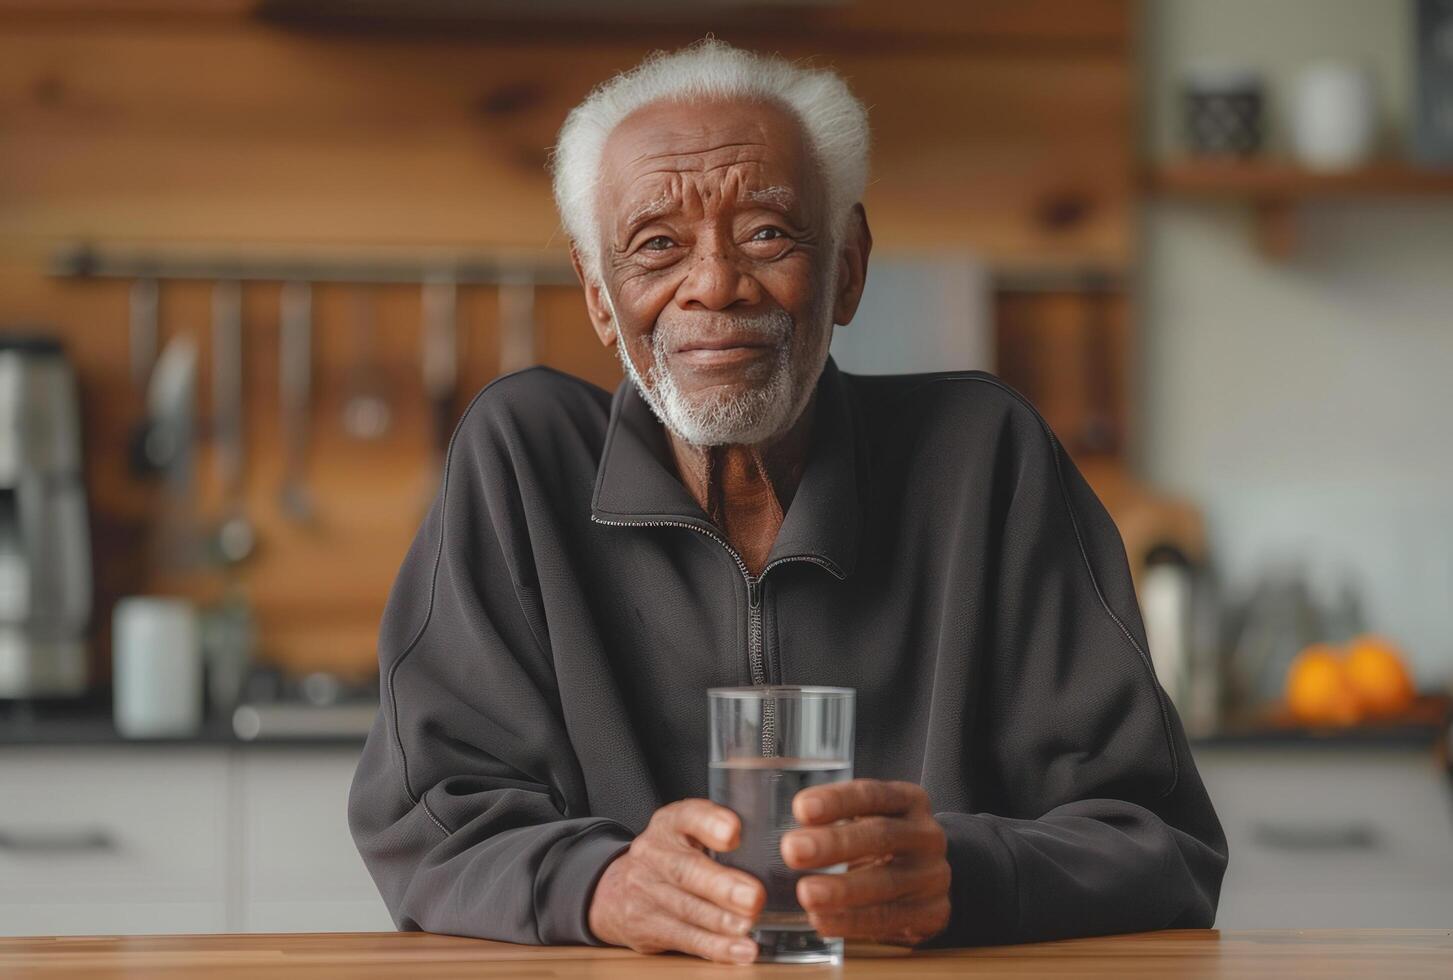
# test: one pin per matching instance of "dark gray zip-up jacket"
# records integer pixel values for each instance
(547, 646)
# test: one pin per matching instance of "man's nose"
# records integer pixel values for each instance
(716, 281)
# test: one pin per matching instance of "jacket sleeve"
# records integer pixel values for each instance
(468, 805)
(1097, 821)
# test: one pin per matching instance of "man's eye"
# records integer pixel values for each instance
(776, 233)
(657, 243)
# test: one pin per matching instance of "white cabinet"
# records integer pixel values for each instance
(122, 839)
(301, 872)
(1327, 837)
(118, 839)
(112, 840)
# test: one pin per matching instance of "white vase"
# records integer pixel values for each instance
(1334, 116)
(156, 667)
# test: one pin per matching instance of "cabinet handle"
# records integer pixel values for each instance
(42, 841)
(1315, 837)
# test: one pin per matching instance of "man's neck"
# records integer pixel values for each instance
(746, 489)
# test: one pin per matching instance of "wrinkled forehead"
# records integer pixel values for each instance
(743, 152)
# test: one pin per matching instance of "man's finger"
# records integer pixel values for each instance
(858, 798)
(703, 821)
(818, 847)
(699, 912)
(871, 886)
(688, 938)
(698, 874)
(907, 921)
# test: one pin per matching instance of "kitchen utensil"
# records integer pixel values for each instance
(1166, 607)
(1097, 433)
(157, 667)
(144, 329)
(321, 688)
(295, 368)
(517, 322)
(229, 636)
(45, 543)
(234, 537)
(1345, 619)
(1280, 618)
(171, 407)
(145, 305)
(366, 411)
(440, 368)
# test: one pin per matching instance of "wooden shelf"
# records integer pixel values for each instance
(1288, 181)
(1273, 189)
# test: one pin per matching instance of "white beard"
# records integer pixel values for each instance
(746, 416)
(743, 417)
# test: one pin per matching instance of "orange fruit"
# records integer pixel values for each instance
(1318, 690)
(1375, 669)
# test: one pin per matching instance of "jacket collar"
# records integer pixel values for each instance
(636, 482)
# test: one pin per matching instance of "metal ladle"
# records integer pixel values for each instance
(366, 411)
(295, 369)
(234, 537)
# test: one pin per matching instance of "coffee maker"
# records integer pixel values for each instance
(45, 548)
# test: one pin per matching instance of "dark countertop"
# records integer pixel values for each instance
(1410, 736)
(88, 723)
(1425, 724)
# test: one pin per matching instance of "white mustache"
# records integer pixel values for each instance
(767, 328)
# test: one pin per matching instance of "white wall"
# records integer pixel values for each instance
(919, 312)
(1308, 406)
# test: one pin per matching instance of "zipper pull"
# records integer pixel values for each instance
(754, 592)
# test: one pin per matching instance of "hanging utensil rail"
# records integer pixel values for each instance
(89, 261)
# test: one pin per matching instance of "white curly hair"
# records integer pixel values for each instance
(833, 120)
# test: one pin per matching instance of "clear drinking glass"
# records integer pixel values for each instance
(766, 744)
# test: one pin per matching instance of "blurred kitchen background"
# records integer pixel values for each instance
(257, 255)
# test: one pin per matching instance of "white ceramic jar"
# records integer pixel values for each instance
(156, 667)
(1334, 116)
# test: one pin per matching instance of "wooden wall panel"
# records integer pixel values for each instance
(1068, 351)
(258, 135)
(1009, 134)
(1031, 24)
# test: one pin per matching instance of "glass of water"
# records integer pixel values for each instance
(767, 743)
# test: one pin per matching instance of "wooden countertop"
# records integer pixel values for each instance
(1354, 953)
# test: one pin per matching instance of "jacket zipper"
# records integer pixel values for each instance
(756, 656)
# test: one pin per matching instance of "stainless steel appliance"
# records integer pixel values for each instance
(45, 548)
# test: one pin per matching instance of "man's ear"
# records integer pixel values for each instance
(597, 303)
(852, 259)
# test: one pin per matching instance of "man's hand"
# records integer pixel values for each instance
(664, 893)
(896, 888)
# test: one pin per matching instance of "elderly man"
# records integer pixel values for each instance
(742, 512)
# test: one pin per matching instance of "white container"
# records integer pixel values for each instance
(156, 667)
(1334, 116)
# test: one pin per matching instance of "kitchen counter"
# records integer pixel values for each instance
(1357, 953)
(101, 733)
(88, 722)
(98, 730)
(1401, 736)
